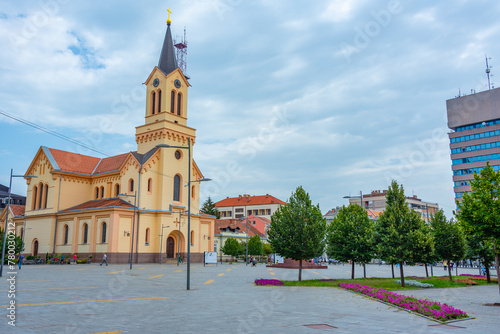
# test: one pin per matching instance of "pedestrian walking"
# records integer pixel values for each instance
(20, 260)
(74, 258)
(104, 259)
(62, 259)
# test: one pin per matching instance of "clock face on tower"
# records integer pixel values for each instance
(156, 82)
(177, 84)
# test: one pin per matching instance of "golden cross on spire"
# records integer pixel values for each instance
(169, 20)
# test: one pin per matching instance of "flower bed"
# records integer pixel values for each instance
(263, 281)
(480, 277)
(458, 280)
(416, 283)
(435, 310)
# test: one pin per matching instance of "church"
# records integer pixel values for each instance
(132, 204)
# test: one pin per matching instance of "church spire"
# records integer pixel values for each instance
(168, 61)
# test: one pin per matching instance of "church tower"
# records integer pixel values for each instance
(166, 103)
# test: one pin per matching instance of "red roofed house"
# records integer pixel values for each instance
(233, 228)
(246, 205)
(76, 203)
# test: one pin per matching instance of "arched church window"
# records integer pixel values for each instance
(96, 192)
(131, 185)
(40, 196)
(102, 192)
(192, 237)
(179, 103)
(172, 102)
(192, 192)
(153, 102)
(85, 233)
(103, 233)
(45, 196)
(117, 190)
(34, 197)
(159, 101)
(147, 236)
(66, 234)
(177, 188)
(150, 185)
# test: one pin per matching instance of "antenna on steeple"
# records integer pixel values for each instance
(488, 70)
(181, 53)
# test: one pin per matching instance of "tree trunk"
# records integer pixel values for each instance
(488, 277)
(401, 271)
(392, 268)
(496, 263)
(449, 270)
(352, 272)
(426, 271)
(300, 270)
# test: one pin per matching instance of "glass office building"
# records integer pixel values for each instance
(474, 121)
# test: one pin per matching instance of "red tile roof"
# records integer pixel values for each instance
(249, 200)
(17, 210)
(72, 162)
(373, 214)
(100, 203)
(84, 164)
(111, 164)
(233, 224)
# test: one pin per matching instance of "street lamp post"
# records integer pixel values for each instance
(246, 246)
(188, 262)
(363, 207)
(161, 239)
(7, 219)
(133, 225)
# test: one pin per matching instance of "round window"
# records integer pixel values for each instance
(177, 155)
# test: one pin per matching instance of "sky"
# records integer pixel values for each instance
(336, 96)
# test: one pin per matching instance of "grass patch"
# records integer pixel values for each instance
(387, 283)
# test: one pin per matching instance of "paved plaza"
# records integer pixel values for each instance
(152, 298)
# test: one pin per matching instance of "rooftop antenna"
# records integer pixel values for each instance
(488, 70)
(181, 53)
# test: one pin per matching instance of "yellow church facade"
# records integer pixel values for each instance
(91, 206)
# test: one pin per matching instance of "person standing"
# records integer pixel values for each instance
(20, 260)
(62, 258)
(74, 258)
(104, 259)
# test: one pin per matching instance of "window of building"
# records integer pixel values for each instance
(65, 234)
(179, 104)
(153, 102)
(103, 233)
(131, 185)
(21, 235)
(249, 212)
(192, 238)
(117, 190)
(34, 197)
(96, 192)
(147, 236)
(193, 193)
(178, 154)
(172, 102)
(268, 212)
(85, 233)
(46, 192)
(150, 185)
(177, 188)
(40, 196)
(159, 101)
(102, 192)
(238, 210)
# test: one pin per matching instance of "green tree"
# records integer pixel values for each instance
(350, 236)
(255, 245)
(479, 211)
(267, 249)
(209, 208)
(427, 253)
(449, 240)
(482, 250)
(231, 247)
(18, 244)
(297, 230)
(400, 232)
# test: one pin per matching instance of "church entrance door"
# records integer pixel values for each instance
(170, 248)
